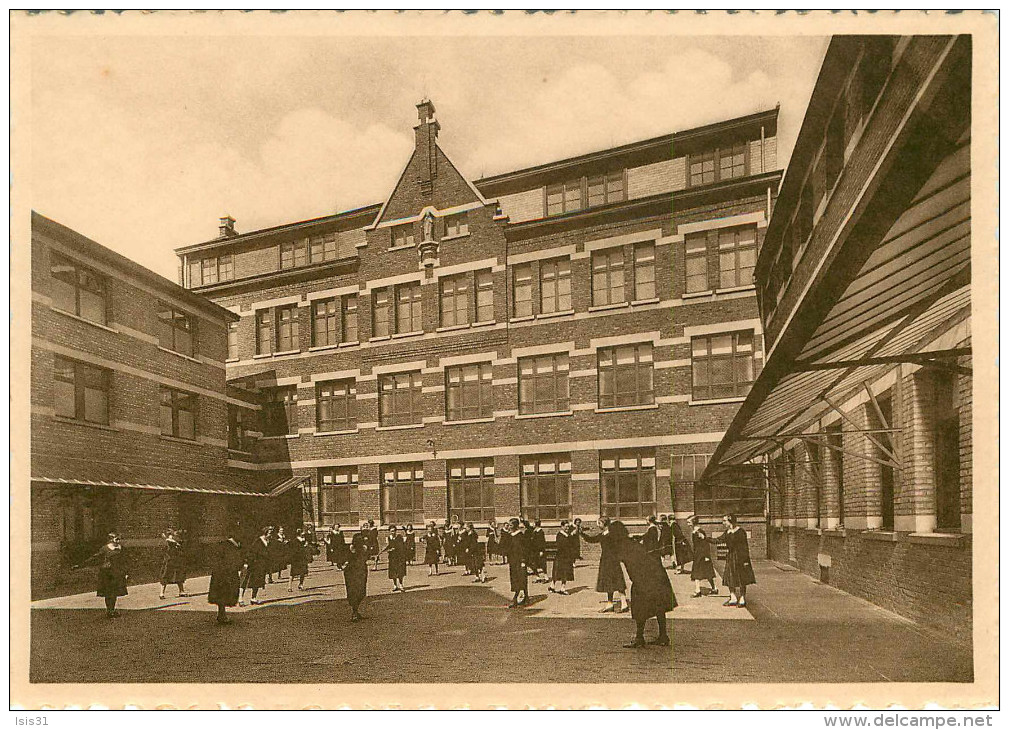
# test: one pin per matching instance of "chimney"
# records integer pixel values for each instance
(226, 229)
(427, 135)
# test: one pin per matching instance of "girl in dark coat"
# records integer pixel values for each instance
(682, 551)
(259, 561)
(279, 554)
(330, 540)
(450, 544)
(173, 568)
(371, 534)
(355, 574)
(432, 549)
(476, 557)
(738, 571)
(666, 536)
(611, 576)
(578, 538)
(517, 563)
(564, 561)
(226, 578)
(396, 546)
(411, 545)
(112, 573)
(651, 591)
(538, 540)
(492, 543)
(704, 564)
(302, 553)
(504, 543)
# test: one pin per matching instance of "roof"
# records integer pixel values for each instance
(96, 251)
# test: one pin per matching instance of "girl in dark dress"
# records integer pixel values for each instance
(492, 549)
(432, 549)
(355, 574)
(330, 540)
(564, 561)
(651, 591)
(476, 557)
(112, 573)
(258, 559)
(371, 533)
(682, 551)
(666, 536)
(411, 545)
(517, 563)
(173, 568)
(738, 571)
(302, 553)
(611, 576)
(578, 538)
(226, 578)
(396, 547)
(538, 541)
(703, 567)
(450, 545)
(504, 543)
(280, 554)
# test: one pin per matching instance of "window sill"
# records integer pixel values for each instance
(551, 315)
(453, 328)
(352, 343)
(618, 409)
(652, 300)
(814, 530)
(879, 535)
(945, 539)
(526, 318)
(464, 421)
(402, 248)
(76, 422)
(834, 532)
(735, 289)
(280, 437)
(238, 452)
(262, 356)
(404, 335)
(321, 348)
(605, 307)
(698, 294)
(183, 355)
(407, 427)
(287, 352)
(456, 236)
(716, 401)
(544, 415)
(488, 323)
(233, 359)
(178, 439)
(336, 433)
(381, 338)
(79, 318)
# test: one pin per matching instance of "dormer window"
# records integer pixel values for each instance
(402, 236)
(723, 163)
(585, 192)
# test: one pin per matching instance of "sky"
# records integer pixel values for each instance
(141, 143)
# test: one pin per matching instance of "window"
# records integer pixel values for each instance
(484, 296)
(456, 225)
(469, 392)
(232, 340)
(628, 483)
(239, 423)
(687, 468)
(323, 247)
(80, 391)
(455, 300)
(696, 262)
(585, 192)
(408, 314)
(78, 290)
(737, 254)
(280, 411)
(178, 414)
(543, 384)
(546, 487)
(886, 473)
(400, 399)
(325, 322)
(338, 495)
(293, 254)
(625, 376)
(87, 516)
(335, 405)
(402, 235)
(814, 473)
(195, 273)
(471, 490)
(722, 365)
(522, 290)
(349, 315)
(380, 313)
(555, 286)
(287, 328)
(264, 331)
(724, 163)
(946, 436)
(742, 493)
(608, 277)
(402, 494)
(175, 330)
(644, 271)
(212, 270)
(834, 453)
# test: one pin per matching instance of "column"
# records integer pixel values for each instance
(507, 499)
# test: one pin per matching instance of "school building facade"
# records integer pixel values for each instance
(862, 415)
(128, 414)
(562, 341)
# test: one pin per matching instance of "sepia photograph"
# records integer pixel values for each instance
(432, 355)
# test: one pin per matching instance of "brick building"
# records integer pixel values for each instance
(567, 340)
(128, 413)
(862, 414)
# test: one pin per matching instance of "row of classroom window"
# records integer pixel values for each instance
(722, 366)
(572, 195)
(626, 489)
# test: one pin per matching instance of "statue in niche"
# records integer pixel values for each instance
(428, 226)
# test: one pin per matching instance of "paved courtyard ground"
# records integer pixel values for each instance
(448, 629)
